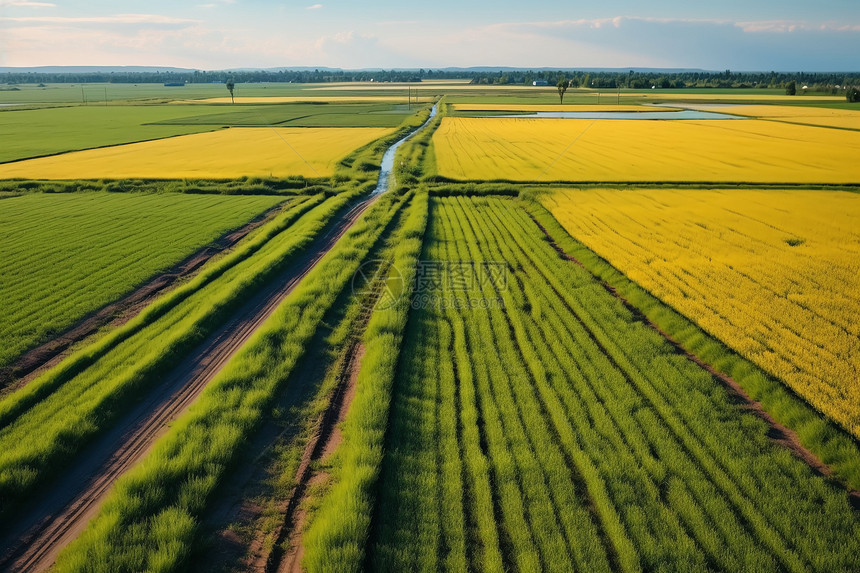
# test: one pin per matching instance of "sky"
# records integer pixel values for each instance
(741, 35)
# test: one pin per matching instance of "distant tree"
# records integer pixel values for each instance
(791, 88)
(230, 87)
(586, 81)
(562, 86)
(853, 95)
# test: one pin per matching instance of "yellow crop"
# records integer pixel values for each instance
(227, 153)
(847, 118)
(774, 274)
(743, 150)
(682, 97)
(554, 107)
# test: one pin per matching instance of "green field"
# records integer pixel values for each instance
(322, 114)
(94, 94)
(66, 255)
(36, 132)
(71, 404)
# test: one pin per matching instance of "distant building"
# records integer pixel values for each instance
(540, 83)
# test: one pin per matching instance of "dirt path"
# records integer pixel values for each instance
(37, 360)
(46, 525)
(777, 432)
(319, 448)
(325, 439)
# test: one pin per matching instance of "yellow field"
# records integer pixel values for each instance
(723, 258)
(636, 150)
(228, 153)
(299, 99)
(551, 107)
(846, 118)
(667, 95)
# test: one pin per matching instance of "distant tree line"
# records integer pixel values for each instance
(197, 76)
(829, 83)
(832, 83)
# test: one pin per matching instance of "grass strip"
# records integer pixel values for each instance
(336, 538)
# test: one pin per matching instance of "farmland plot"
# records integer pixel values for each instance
(537, 425)
(63, 256)
(228, 153)
(640, 150)
(828, 117)
(774, 274)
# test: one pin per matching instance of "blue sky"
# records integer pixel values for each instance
(785, 35)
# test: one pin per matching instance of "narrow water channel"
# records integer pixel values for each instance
(388, 158)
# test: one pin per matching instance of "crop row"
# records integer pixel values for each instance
(67, 255)
(538, 425)
(51, 418)
(149, 520)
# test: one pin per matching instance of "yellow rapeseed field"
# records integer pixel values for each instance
(774, 274)
(846, 118)
(742, 150)
(227, 153)
(554, 107)
(682, 97)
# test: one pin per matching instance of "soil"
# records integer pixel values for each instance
(777, 432)
(44, 526)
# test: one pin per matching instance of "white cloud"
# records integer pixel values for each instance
(27, 4)
(788, 26)
(314, 7)
(214, 42)
(115, 19)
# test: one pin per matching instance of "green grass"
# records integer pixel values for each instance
(552, 430)
(147, 523)
(63, 256)
(51, 418)
(336, 537)
(298, 115)
(94, 94)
